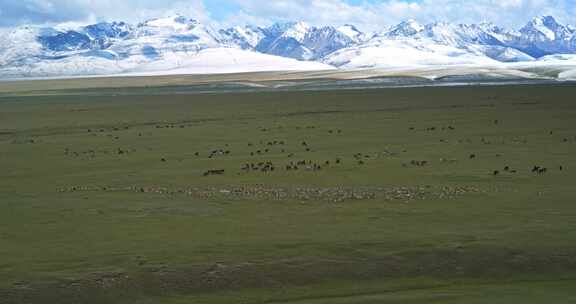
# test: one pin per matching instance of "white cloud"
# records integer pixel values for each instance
(56, 11)
(368, 15)
(375, 15)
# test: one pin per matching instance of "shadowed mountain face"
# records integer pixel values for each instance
(96, 36)
(31, 51)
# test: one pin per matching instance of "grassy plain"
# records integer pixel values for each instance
(103, 198)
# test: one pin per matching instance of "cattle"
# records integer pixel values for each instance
(496, 172)
(472, 156)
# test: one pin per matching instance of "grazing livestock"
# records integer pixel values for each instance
(542, 170)
(496, 172)
(419, 163)
(214, 172)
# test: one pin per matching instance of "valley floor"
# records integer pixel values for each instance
(409, 195)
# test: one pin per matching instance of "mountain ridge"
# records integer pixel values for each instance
(120, 47)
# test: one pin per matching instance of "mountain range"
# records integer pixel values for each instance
(181, 45)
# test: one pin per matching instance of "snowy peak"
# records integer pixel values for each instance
(544, 36)
(546, 28)
(173, 26)
(279, 28)
(406, 29)
(351, 32)
(297, 31)
(168, 35)
(301, 41)
(108, 30)
(246, 37)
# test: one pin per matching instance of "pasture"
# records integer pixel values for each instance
(407, 195)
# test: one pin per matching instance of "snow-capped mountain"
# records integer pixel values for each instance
(407, 28)
(96, 36)
(179, 44)
(165, 45)
(544, 36)
(296, 40)
(246, 37)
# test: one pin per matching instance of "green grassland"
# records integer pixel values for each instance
(103, 198)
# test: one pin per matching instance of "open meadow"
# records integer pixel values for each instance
(398, 195)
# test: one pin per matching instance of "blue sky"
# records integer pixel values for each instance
(366, 14)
